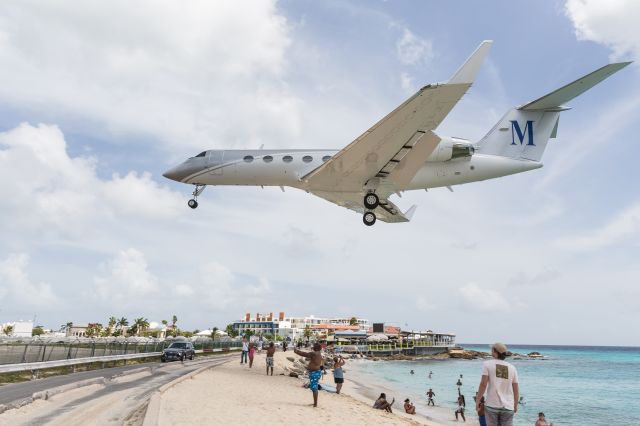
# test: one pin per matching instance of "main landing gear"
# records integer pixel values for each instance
(371, 202)
(193, 203)
(369, 218)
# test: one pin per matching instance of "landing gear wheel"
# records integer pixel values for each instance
(192, 203)
(369, 218)
(371, 201)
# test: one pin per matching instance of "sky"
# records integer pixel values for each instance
(98, 99)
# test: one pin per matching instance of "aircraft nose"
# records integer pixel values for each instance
(174, 173)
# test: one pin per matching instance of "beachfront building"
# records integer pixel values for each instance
(293, 328)
(256, 327)
(17, 328)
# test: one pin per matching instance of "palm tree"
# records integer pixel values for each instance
(138, 325)
(307, 332)
(121, 323)
(112, 323)
(230, 331)
(174, 320)
(353, 321)
(213, 333)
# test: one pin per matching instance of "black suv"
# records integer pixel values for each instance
(178, 350)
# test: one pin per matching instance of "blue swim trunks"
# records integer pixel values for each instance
(314, 378)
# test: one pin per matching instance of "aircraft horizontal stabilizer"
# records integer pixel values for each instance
(467, 72)
(558, 98)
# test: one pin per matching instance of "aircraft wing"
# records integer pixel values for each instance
(386, 211)
(396, 134)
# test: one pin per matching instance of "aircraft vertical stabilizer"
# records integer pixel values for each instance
(523, 132)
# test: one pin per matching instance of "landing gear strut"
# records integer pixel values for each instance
(193, 203)
(369, 218)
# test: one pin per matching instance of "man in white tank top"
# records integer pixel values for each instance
(500, 381)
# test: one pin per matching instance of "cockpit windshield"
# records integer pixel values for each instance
(202, 154)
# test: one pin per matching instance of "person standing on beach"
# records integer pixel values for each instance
(338, 374)
(430, 395)
(245, 351)
(252, 352)
(461, 406)
(271, 350)
(315, 362)
(500, 381)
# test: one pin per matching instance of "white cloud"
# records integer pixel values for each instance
(125, 277)
(16, 288)
(406, 82)
(217, 287)
(412, 49)
(613, 23)
(47, 192)
(625, 226)
(187, 73)
(479, 299)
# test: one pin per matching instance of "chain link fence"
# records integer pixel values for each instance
(41, 350)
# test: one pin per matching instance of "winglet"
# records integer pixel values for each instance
(409, 213)
(467, 72)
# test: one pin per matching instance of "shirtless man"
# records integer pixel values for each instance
(315, 362)
(430, 395)
(542, 421)
(270, 351)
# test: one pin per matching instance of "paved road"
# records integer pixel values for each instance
(17, 391)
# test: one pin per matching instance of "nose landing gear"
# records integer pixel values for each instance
(193, 203)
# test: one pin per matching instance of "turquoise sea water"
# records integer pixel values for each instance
(573, 385)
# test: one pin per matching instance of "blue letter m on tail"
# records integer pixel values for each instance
(515, 131)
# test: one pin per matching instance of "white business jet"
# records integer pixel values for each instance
(401, 152)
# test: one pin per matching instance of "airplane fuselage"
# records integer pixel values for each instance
(454, 162)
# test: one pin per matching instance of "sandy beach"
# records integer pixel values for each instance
(234, 394)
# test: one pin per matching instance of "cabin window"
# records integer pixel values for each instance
(307, 158)
(326, 158)
(248, 158)
(287, 158)
(267, 158)
(202, 154)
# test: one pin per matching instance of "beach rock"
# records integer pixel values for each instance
(466, 354)
(291, 359)
(292, 374)
(535, 355)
